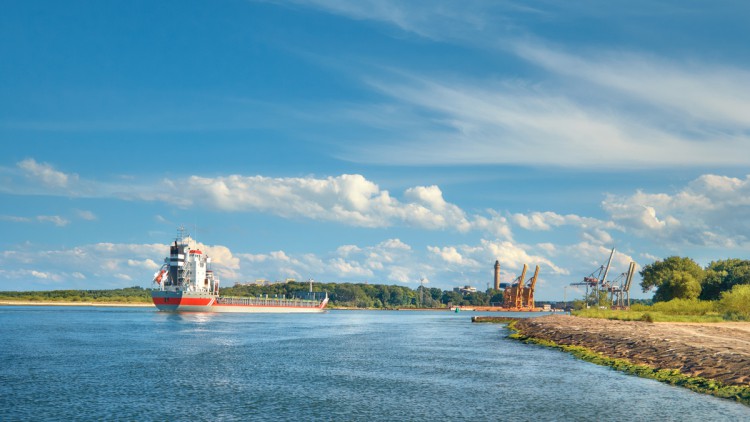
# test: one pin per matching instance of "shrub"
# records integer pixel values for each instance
(647, 317)
(683, 307)
(735, 304)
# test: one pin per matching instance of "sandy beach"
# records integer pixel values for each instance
(719, 351)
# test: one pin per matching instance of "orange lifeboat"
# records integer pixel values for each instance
(159, 275)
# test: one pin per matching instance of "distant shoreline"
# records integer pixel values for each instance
(61, 303)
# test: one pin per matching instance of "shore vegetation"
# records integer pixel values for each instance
(342, 295)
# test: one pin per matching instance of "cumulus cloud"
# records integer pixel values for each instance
(589, 257)
(510, 255)
(711, 210)
(391, 260)
(148, 264)
(350, 199)
(493, 224)
(448, 254)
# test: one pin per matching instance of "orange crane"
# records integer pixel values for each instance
(519, 296)
(529, 292)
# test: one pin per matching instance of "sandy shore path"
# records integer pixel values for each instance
(719, 351)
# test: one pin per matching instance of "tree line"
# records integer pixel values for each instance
(722, 286)
(354, 295)
(361, 295)
(682, 278)
(134, 294)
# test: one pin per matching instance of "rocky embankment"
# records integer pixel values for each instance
(719, 351)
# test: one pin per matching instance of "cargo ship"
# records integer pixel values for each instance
(186, 283)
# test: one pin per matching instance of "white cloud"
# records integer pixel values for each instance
(15, 219)
(346, 250)
(148, 264)
(40, 274)
(541, 124)
(709, 93)
(441, 20)
(495, 224)
(448, 254)
(46, 174)
(711, 210)
(86, 215)
(54, 219)
(350, 199)
(513, 256)
(388, 261)
(589, 257)
(349, 269)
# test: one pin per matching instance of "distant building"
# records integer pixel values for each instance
(465, 290)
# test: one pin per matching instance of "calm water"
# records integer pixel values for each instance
(138, 364)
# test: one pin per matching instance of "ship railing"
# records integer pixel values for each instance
(267, 301)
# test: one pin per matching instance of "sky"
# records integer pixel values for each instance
(371, 141)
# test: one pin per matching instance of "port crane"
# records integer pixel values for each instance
(619, 288)
(520, 293)
(596, 280)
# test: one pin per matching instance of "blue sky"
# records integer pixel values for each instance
(370, 141)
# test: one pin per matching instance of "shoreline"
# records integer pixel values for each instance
(63, 303)
(710, 358)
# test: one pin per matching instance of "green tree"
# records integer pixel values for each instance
(680, 285)
(723, 275)
(496, 296)
(656, 273)
(455, 298)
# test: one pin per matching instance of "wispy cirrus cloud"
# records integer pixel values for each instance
(551, 123)
(54, 219)
(575, 103)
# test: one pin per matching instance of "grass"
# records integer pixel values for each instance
(677, 310)
(670, 376)
(651, 316)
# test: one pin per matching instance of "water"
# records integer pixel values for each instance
(138, 364)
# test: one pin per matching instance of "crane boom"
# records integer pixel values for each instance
(606, 269)
(519, 291)
(530, 294)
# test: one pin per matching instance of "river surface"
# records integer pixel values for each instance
(84, 363)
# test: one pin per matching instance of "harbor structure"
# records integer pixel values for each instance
(497, 274)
